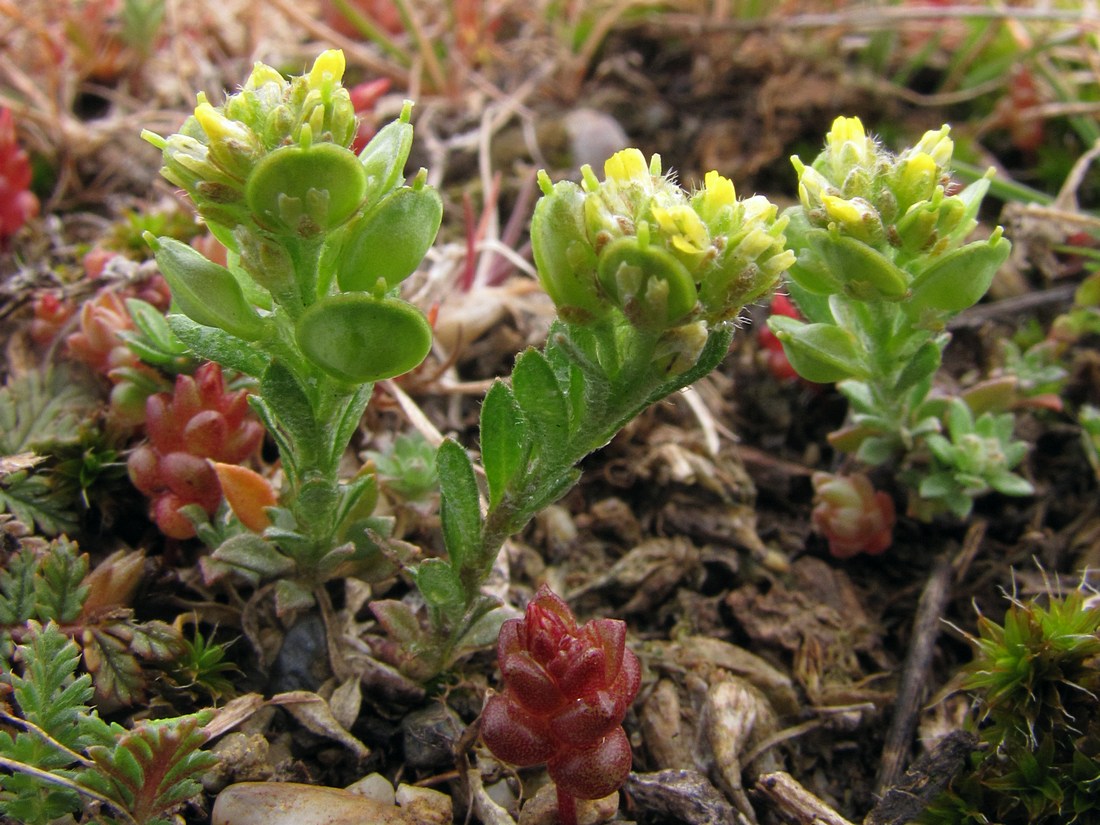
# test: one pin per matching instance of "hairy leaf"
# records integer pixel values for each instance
(459, 510)
(540, 397)
(504, 440)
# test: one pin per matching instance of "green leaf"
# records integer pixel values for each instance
(539, 396)
(157, 344)
(33, 499)
(383, 158)
(306, 191)
(865, 273)
(218, 345)
(17, 586)
(248, 556)
(154, 768)
(204, 291)
(399, 621)
(819, 352)
(118, 676)
(923, 364)
(1010, 484)
(291, 595)
(348, 421)
(959, 279)
(293, 413)
(505, 442)
(439, 584)
(459, 509)
(61, 590)
(47, 693)
(552, 490)
(41, 407)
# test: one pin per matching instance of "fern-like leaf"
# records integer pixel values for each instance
(60, 593)
(17, 588)
(48, 695)
(34, 499)
(152, 769)
(39, 407)
(54, 702)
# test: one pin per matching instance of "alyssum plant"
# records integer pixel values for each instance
(647, 280)
(883, 264)
(319, 240)
(647, 277)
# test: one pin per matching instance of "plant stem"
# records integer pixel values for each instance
(567, 808)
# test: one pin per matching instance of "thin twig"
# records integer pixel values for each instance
(914, 676)
(352, 48)
(794, 803)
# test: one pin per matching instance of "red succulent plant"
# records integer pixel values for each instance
(778, 364)
(17, 202)
(197, 424)
(852, 515)
(566, 691)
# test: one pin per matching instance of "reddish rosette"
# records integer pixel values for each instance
(566, 691)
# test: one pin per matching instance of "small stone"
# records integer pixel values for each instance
(429, 735)
(374, 786)
(290, 803)
(542, 808)
(427, 806)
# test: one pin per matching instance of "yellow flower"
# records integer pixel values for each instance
(918, 179)
(218, 127)
(328, 69)
(845, 129)
(857, 217)
(936, 144)
(849, 146)
(262, 74)
(718, 192)
(844, 212)
(685, 230)
(626, 166)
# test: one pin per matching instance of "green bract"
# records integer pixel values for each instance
(651, 287)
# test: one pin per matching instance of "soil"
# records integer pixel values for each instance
(693, 524)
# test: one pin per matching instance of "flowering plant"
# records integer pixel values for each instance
(648, 280)
(566, 691)
(883, 264)
(319, 239)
